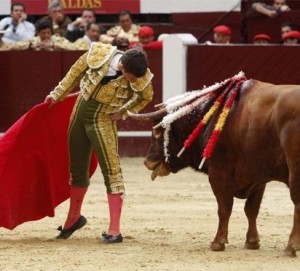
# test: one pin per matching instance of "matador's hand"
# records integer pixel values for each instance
(50, 100)
(116, 116)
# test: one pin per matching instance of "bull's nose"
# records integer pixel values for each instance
(151, 165)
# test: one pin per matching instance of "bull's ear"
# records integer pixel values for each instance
(156, 133)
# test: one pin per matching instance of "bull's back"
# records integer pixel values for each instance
(256, 128)
(267, 107)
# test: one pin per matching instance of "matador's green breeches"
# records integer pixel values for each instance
(90, 129)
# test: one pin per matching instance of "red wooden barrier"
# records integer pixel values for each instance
(26, 79)
(275, 64)
(28, 76)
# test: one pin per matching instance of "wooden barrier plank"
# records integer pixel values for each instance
(26, 78)
(271, 63)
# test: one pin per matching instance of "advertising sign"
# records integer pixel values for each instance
(39, 7)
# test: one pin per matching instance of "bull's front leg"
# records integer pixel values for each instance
(221, 238)
(251, 209)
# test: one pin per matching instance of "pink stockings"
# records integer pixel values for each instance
(115, 203)
(76, 198)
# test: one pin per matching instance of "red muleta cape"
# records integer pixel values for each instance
(34, 164)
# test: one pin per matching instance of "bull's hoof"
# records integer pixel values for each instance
(215, 246)
(252, 245)
(290, 251)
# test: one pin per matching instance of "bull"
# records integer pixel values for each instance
(259, 143)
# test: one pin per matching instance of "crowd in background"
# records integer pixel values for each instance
(57, 31)
(289, 32)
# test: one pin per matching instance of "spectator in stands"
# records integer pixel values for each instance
(272, 11)
(287, 27)
(291, 38)
(222, 34)
(146, 39)
(146, 34)
(77, 28)
(16, 27)
(44, 40)
(92, 34)
(126, 29)
(121, 43)
(58, 19)
(262, 39)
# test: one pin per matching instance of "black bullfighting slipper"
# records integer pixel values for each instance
(110, 239)
(66, 233)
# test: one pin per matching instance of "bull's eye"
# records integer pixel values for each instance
(156, 134)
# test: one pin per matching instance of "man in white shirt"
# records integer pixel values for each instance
(16, 27)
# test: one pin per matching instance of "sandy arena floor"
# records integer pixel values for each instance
(167, 224)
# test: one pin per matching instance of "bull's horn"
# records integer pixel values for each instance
(157, 126)
(148, 116)
(161, 105)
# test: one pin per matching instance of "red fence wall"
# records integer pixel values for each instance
(27, 77)
(275, 64)
(201, 24)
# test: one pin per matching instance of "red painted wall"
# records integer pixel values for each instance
(28, 76)
(275, 64)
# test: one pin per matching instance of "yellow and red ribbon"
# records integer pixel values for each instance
(194, 134)
(210, 146)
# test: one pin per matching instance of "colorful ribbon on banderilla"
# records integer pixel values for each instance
(232, 90)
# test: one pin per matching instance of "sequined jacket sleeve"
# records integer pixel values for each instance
(138, 101)
(143, 94)
(72, 79)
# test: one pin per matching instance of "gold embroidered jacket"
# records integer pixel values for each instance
(81, 44)
(59, 43)
(118, 95)
(117, 31)
(4, 46)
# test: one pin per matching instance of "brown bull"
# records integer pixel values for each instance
(260, 142)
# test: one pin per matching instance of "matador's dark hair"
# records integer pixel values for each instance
(135, 61)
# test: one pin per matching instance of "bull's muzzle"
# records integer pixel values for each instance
(158, 169)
